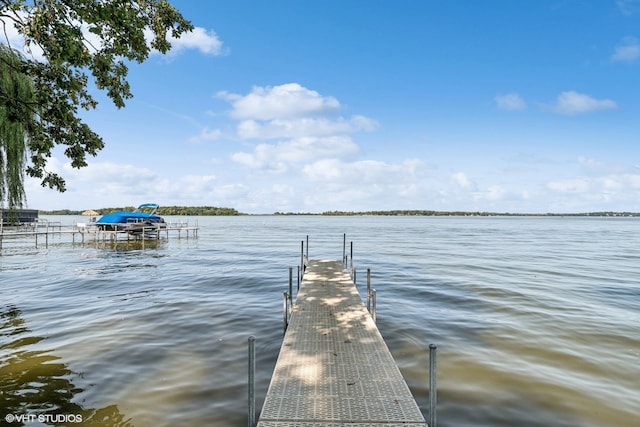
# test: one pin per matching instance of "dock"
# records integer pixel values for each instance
(43, 231)
(334, 368)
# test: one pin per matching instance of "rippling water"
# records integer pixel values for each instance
(537, 320)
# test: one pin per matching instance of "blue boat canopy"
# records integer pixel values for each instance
(144, 214)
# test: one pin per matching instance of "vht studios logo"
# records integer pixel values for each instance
(43, 418)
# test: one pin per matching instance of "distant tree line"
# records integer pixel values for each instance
(163, 210)
(197, 210)
(219, 211)
(403, 212)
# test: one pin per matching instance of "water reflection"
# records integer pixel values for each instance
(36, 387)
(124, 245)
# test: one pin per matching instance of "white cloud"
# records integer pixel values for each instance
(362, 172)
(590, 163)
(207, 134)
(111, 178)
(571, 103)
(304, 123)
(510, 101)
(628, 51)
(608, 190)
(285, 101)
(461, 180)
(201, 39)
(495, 192)
(595, 167)
(303, 126)
(600, 183)
(339, 184)
(572, 185)
(104, 184)
(277, 157)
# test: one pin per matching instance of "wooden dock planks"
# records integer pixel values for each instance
(334, 368)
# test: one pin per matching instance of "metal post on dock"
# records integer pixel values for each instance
(433, 393)
(352, 254)
(373, 308)
(307, 248)
(344, 248)
(285, 310)
(252, 382)
(369, 290)
(291, 285)
(300, 266)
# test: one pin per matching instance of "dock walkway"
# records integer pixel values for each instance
(334, 368)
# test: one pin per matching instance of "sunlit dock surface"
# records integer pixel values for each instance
(334, 368)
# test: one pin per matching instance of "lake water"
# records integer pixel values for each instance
(537, 319)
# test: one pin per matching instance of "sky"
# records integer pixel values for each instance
(301, 106)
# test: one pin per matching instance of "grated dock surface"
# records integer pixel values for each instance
(334, 368)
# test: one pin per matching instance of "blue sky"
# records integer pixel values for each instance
(499, 105)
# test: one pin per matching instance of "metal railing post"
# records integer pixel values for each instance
(433, 393)
(351, 254)
(291, 285)
(373, 308)
(369, 290)
(344, 248)
(285, 309)
(252, 382)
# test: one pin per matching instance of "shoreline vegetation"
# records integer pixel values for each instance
(162, 210)
(221, 211)
(457, 213)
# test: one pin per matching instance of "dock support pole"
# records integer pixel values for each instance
(369, 290)
(433, 394)
(373, 309)
(301, 259)
(291, 285)
(252, 382)
(352, 254)
(344, 249)
(285, 310)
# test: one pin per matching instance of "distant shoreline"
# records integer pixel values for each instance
(461, 213)
(216, 211)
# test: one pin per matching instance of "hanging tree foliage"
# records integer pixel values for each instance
(16, 117)
(79, 40)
